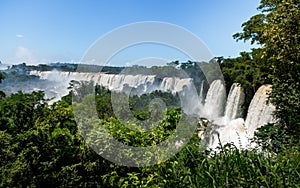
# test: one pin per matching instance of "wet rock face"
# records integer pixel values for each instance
(208, 132)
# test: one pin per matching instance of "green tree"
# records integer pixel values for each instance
(40, 145)
(2, 94)
(173, 63)
(277, 30)
(249, 70)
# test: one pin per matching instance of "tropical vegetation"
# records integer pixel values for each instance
(42, 144)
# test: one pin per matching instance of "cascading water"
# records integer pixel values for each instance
(225, 119)
(235, 100)
(125, 83)
(232, 128)
(214, 101)
(116, 82)
(201, 92)
(260, 111)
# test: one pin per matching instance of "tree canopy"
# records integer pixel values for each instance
(277, 30)
(41, 144)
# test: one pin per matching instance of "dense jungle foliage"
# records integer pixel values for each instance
(276, 61)
(41, 145)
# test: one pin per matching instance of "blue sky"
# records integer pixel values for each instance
(36, 31)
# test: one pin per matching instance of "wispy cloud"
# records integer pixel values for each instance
(19, 36)
(25, 55)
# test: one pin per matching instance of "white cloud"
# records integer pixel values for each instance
(28, 56)
(19, 36)
(128, 64)
(25, 55)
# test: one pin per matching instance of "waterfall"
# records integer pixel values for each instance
(224, 115)
(214, 101)
(116, 82)
(259, 112)
(125, 83)
(234, 132)
(227, 125)
(201, 92)
(235, 100)
(231, 128)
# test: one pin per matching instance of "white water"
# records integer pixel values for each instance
(231, 127)
(201, 98)
(259, 112)
(117, 82)
(226, 114)
(234, 103)
(124, 83)
(234, 132)
(214, 101)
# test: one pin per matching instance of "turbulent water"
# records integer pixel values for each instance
(231, 128)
